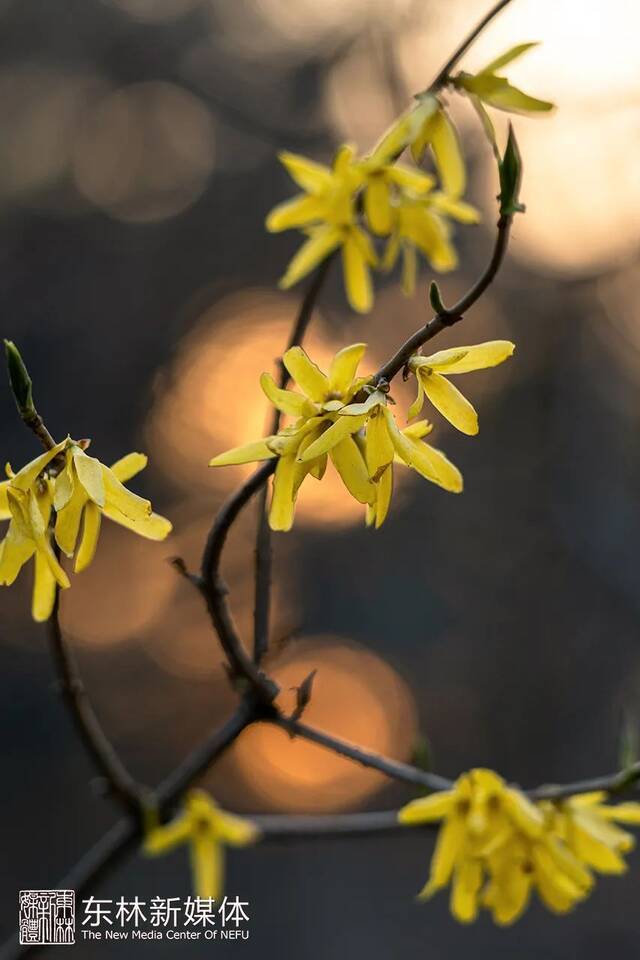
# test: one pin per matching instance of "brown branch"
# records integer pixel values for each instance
(366, 758)
(121, 784)
(263, 551)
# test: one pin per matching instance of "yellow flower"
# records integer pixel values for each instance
(427, 125)
(208, 830)
(496, 91)
(79, 488)
(385, 184)
(524, 864)
(587, 826)
(314, 411)
(326, 213)
(481, 814)
(443, 395)
(419, 223)
(86, 489)
(361, 439)
(26, 500)
(382, 444)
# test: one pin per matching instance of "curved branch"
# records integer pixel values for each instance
(457, 55)
(121, 784)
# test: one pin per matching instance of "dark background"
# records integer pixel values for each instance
(137, 163)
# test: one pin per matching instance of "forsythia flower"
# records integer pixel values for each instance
(326, 212)
(26, 499)
(443, 395)
(427, 125)
(361, 439)
(496, 91)
(86, 489)
(79, 492)
(207, 829)
(382, 444)
(496, 847)
(419, 223)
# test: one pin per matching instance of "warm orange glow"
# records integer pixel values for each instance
(213, 401)
(145, 152)
(122, 592)
(357, 696)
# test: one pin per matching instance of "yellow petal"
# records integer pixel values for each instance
(498, 93)
(308, 174)
(152, 527)
(44, 589)
(466, 359)
(236, 831)
(465, 891)
(425, 459)
(511, 54)
(623, 813)
(379, 446)
(526, 816)
(427, 809)
(427, 231)
(413, 180)
(16, 550)
(207, 865)
(375, 399)
(64, 484)
(391, 253)
(26, 477)
(404, 130)
(456, 209)
(418, 430)
(377, 204)
(447, 154)
(282, 508)
(357, 277)
(90, 534)
(287, 401)
(418, 403)
(168, 837)
(129, 466)
(450, 402)
(343, 427)
(5, 512)
(90, 474)
(306, 374)
(384, 491)
(297, 212)
(344, 367)
(68, 521)
(317, 248)
(448, 847)
(593, 846)
(117, 495)
(347, 459)
(247, 453)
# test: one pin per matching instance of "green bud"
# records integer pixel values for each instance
(435, 298)
(628, 748)
(20, 380)
(510, 168)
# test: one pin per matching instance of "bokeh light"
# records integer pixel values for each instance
(356, 696)
(145, 152)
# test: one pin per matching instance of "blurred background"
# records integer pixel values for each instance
(137, 163)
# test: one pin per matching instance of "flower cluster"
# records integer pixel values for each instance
(358, 199)
(348, 419)
(496, 847)
(48, 502)
(207, 829)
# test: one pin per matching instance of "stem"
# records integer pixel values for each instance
(121, 784)
(446, 318)
(443, 76)
(263, 551)
(366, 758)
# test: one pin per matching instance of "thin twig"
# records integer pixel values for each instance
(366, 758)
(263, 551)
(121, 784)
